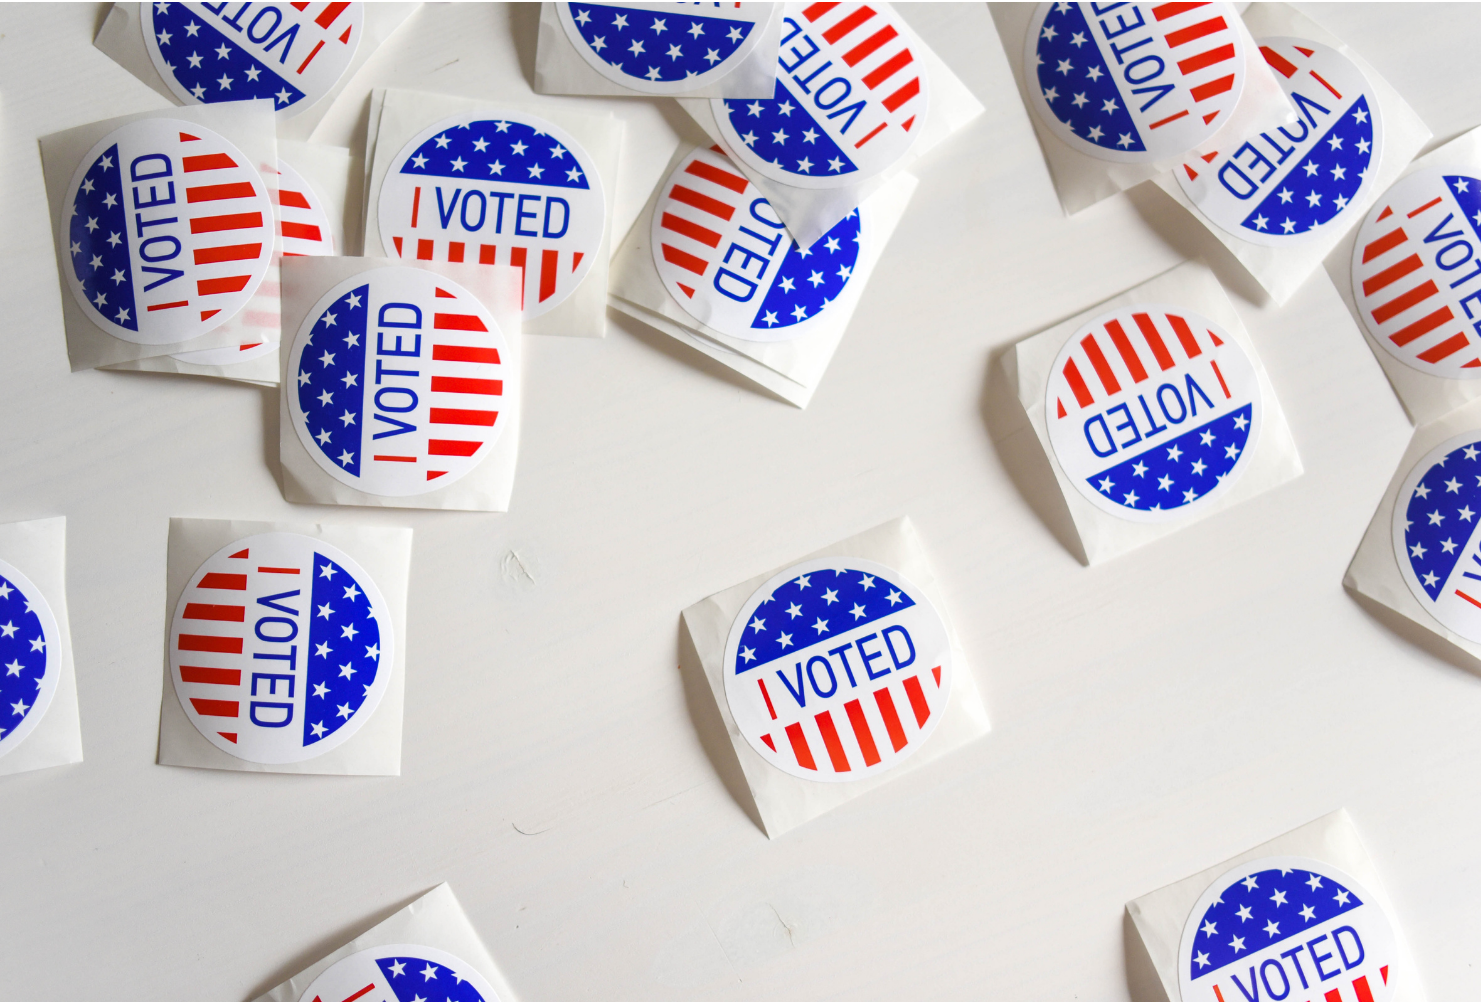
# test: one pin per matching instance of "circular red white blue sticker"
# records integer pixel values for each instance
(1416, 272)
(513, 190)
(1134, 83)
(665, 48)
(836, 669)
(169, 231)
(401, 973)
(281, 648)
(398, 382)
(727, 258)
(1287, 185)
(290, 53)
(1287, 927)
(1435, 538)
(1153, 412)
(28, 667)
(850, 99)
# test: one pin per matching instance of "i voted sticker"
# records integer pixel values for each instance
(850, 99)
(1435, 538)
(1153, 411)
(1134, 83)
(837, 669)
(169, 231)
(1287, 927)
(726, 257)
(1416, 272)
(1287, 185)
(665, 48)
(512, 190)
(290, 53)
(398, 382)
(401, 972)
(29, 657)
(281, 648)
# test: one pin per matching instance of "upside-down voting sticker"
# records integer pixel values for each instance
(1153, 411)
(28, 671)
(1285, 186)
(837, 669)
(1434, 534)
(665, 48)
(727, 258)
(850, 99)
(397, 382)
(290, 53)
(169, 231)
(1134, 83)
(513, 190)
(1416, 273)
(401, 973)
(281, 648)
(1287, 927)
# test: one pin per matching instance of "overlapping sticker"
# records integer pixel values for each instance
(290, 53)
(29, 657)
(169, 230)
(281, 648)
(512, 190)
(401, 973)
(837, 669)
(1287, 927)
(1416, 272)
(398, 382)
(1134, 83)
(727, 258)
(1435, 538)
(1287, 185)
(850, 99)
(665, 48)
(1153, 412)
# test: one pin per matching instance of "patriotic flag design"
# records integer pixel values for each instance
(725, 256)
(1435, 537)
(1415, 268)
(1135, 82)
(513, 190)
(837, 670)
(280, 648)
(289, 53)
(1151, 411)
(850, 99)
(304, 225)
(27, 678)
(664, 48)
(401, 973)
(169, 231)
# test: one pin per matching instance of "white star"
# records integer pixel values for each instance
(830, 596)
(1209, 928)
(321, 689)
(636, 48)
(1335, 142)
(399, 967)
(758, 624)
(14, 668)
(283, 95)
(1163, 483)
(821, 625)
(1109, 106)
(346, 457)
(1341, 897)
(1199, 466)
(459, 163)
(429, 972)
(223, 52)
(192, 28)
(1079, 100)
(18, 708)
(253, 73)
(224, 83)
(1272, 929)
(1065, 66)
(1431, 580)
(343, 710)
(1106, 484)
(9, 629)
(893, 597)
(857, 611)
(1201, 960)
(348, 631)
(785, 108)
(1237, 943)
(785, 640)
(1452, 485)
(345, 671)
(1095, 133)
(1140, 469)
(748, 653)
(442, 141)
(1261, 222)
(323, 437)
(327, 358)
(1308, 912)
(1285, 195)
(536, 170)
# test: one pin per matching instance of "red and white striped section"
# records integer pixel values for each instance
(1207, 51)
(869, 43)
(542, 268)
(1123, 352)
(326, 19)
(695, 213)
(209, 641)
(303, 221)
(224, 197)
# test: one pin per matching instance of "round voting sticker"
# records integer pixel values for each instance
(398, 381)
(28, 669)
(1284, 186)
(1134, 83)
(290, 53)
(510, 190)
(1435, 538)
(837, 669)
(169, 231)
(726, 257)
(281, 648)
(1416, 272)
(401, 973)
(665, 48)
(850, 99)
(1152, 411)
(1286, 927)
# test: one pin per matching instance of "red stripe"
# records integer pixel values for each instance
(487, 254)
(1444, 349)
(1154, 340)
(1163, 11)
(1205, 91)
(169, 306)
(219, 192)
(424, 250)
(289, 197)
(224, 582)
(416, 205)
(1468, 598)
(457, 322)
(219, 613)
(210, 676)
(234, 252)
(1384, 244)
(799, 747)
(813, 11)
(891, 718)
(207, 161)
(848, 24)
(862, 733)
(1394, 307)
(1128, 353)
(917, 700)
(872, 133)
(1422, 326)
(549, 262)
(684, 260)
(704, 203)
(869, 45)
(451, 447)
(693, 231)
(216, 707)
(301, 231)
(723, 178)
(1205, 59)
(458, 384)
(1430, 204)
(329, 13)
(1077, 383)
(370, 987)
(1099, 363)
(277, 570)
(1222, 385)
(1185, 336)
(394, 459)
(1195, 31)
(216, 286)
(462, 353)
(902, 95)
(1323, 82)
(230, 221)
(220, 645)
(454, 415)
(310, 57)
(1391, 274)
(766, 696)
(836, 754)
(455, 251)
(1170, 118)
(1360, 988)
(887, 69)
(1278, 62)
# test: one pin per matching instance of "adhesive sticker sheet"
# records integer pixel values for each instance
(285, 649)
(835, 673)
(1280, 200)
(39, 724)
(708, 262)
(657, 49)
(403, 384)
(1154, 411)
(1303, 915)
(857, 98)
(463, 181)
(427, 950)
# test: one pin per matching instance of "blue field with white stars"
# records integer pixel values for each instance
(810, 278)
(1441, 516)
(1077, 83)
(1324, 182)
(344, 651)
(658, 45)
(1261, 909)
(329, 372)
(23, 657)
(1178, 471)
(782, 132)
(813, 608)
(98, 236)
(498, 151)
(212, 66)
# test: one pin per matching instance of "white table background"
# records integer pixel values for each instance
(1152, 716)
